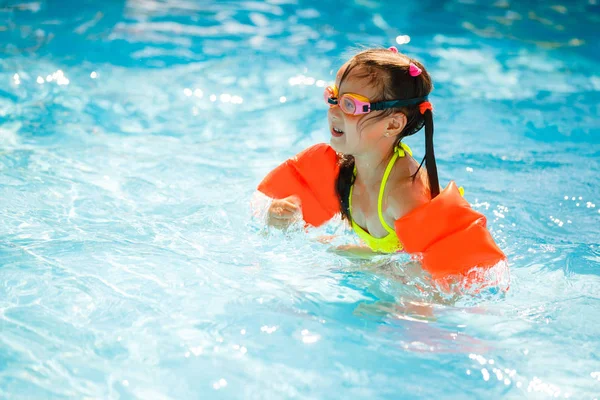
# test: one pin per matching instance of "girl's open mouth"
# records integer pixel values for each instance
(337, 132)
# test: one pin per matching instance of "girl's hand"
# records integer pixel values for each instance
(353, 251)
(284, 212)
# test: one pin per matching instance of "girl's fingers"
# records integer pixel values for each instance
(284, 213)
(282, 216)
(291, 207)
(285, 205)
(294, 200)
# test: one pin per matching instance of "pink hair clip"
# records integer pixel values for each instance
(393, 49)
(413, 70)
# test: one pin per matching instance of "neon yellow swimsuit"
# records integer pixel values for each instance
(389, 243)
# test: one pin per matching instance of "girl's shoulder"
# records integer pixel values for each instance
(406, 193)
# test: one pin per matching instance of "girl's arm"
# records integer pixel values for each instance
(353, 251)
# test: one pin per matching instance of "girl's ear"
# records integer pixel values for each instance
(395, 125)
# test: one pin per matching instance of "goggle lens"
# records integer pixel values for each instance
(347, 104)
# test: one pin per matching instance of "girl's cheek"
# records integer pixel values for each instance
(351, 119)
(353, 122)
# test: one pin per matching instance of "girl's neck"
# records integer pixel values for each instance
(370, 167)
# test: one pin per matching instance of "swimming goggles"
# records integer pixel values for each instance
(355, 104)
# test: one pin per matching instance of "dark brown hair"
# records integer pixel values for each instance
(389, 72)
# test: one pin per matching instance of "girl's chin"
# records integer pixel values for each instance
(336, 143)
(340, 146)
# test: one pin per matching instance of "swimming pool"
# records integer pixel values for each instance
(133, 134)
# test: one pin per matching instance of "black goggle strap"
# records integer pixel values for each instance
(382, 105)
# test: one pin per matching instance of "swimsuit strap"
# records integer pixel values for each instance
(402, 149)
(399, 151)
(386, 174)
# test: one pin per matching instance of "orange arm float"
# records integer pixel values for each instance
(311, 175)
(450, 236)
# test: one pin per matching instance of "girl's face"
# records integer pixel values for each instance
(346, 137)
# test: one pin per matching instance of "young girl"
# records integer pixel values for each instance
(369, 175)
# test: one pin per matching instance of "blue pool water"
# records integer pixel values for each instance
(133, 134)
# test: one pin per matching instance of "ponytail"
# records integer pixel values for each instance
(434, 184)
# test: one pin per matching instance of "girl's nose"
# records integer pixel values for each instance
(335, 112)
